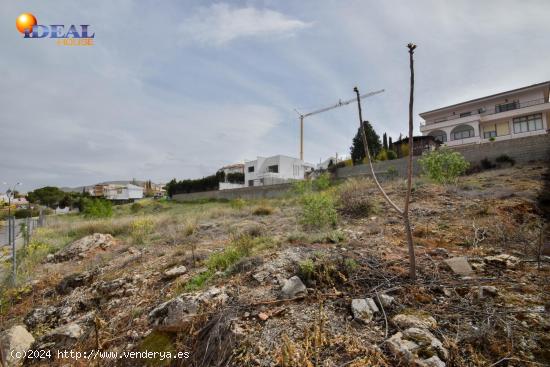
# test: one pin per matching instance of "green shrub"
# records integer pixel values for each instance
(237, 204)
(301, 187)
(443, 165)
(382, 155)
(141, 228)
(318, 210)
(392, 173)
(136, 207)
(355, 198)
(97, 208)
(503, 158)
(322, 182)
(24, 213)
(391, 155)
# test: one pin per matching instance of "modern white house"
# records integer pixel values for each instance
(513, 114)
(275, 170)
(126, 192)
(229, 171)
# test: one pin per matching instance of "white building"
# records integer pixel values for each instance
(232, 169)
(126, 192)
(275, 170)
(507, 115)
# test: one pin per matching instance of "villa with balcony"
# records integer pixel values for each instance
(513, 114)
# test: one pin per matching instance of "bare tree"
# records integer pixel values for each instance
(404, 213)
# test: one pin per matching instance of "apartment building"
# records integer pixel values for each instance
(513, 114)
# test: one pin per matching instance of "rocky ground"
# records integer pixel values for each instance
(246, 284)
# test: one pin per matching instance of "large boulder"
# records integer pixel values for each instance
(14, 342)
(175, 272)
(72, 281)
(80, 248)
(64, 336)
(502, 261)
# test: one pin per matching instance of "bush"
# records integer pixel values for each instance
(136, 207)
(322, 182)
(97, 208)
(443, 165)
(302, 186)
(318, 210)
(237, 204)
(263, 210)
(391, 155)
(354, 198)
(24, 213)
(391, 173)
(505, 159)
(486, 164)
(382, 156)
(140, 229)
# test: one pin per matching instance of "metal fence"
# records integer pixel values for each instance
(20, 230)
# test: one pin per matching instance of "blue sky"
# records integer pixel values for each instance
(180, 88)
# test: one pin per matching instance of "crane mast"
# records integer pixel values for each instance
(325, 109)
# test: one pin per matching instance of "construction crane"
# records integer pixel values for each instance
(339, 104)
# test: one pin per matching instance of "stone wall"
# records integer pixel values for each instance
(254, 192)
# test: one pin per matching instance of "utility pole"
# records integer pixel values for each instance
(325, 109)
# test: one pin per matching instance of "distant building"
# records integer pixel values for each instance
(508, 115)
(233, 176)
(126, 192)
(421, 144)
(275, 170)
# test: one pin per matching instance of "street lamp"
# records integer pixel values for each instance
(10, 193)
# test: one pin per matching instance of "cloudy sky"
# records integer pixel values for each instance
(179, 88)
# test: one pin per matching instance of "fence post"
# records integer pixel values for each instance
(13, 249)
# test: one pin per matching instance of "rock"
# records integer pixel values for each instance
(13, 341)
(64, 336)
(413, 344)
(40, 316)
(260, 276)
(81, 247)
(386, 300)
(459, 265)
(433, 361)
(113, 288)
(488, 291)
(132, 250)
(70, 282)
(405, 321)
(50, 258)
(363, 309)
(176, 311)
(175, 272)
(440, 251)
(263, 316)
(502, 261)
(293, 287)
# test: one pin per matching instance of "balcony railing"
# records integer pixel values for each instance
(497, 109)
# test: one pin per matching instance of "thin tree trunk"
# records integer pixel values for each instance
(367, 153)
(405, 212)
(406, 221)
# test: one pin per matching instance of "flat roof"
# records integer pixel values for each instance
(486, 97)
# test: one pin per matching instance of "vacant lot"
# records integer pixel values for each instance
(216, 278)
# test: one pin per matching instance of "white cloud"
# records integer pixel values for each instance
(221, 23)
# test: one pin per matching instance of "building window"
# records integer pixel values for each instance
(528, 123)
(464, 114)
(489, 134)
(250, 182)
(506, 106)
(273, 169)
(439, 136)
(251, 169)
(462, 132)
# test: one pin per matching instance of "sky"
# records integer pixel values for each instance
(177, 89)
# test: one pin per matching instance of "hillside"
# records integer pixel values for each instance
(263, 283)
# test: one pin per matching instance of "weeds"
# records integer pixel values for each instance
(318, 210)
(355, 198)
(141, 228)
